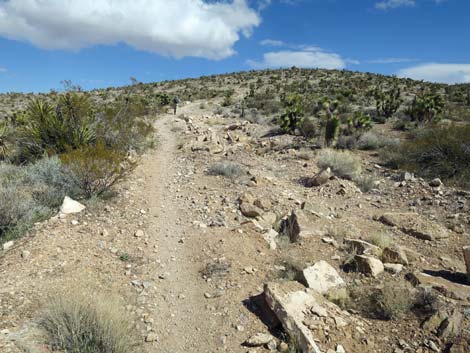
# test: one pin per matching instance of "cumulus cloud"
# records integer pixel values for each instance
(312, 58)
(175, 28)
(434, 72)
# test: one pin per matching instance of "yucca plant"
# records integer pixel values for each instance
(293, 114)
(387, 102)
(54, 130)
(5, 141)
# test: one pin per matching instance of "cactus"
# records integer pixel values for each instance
(387, 102)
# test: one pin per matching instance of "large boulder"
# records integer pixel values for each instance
(70, 206)
(321, 277)
(415, 225)
(361, 247)
(394, 255)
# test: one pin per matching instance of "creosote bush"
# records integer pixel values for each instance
(97, 168)
(435, 151)
(77, 323)
(344, 164)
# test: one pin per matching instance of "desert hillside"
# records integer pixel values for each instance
(285, 210)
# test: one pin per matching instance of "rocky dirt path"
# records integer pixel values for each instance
(179, 304)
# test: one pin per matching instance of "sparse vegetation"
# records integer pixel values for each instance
(227, 169)
(344, 164)
(77, 323)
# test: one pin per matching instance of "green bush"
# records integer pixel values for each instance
(369, 141)
(344, 164)
(88, 324)
(435, 151)
(97, 168)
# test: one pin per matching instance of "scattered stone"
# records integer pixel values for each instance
(435, 183)
(139, 233)
(466, 256)
(319, 179)
(25, 254)
(70, 206)
(393, 268)
(340, 349)
(415, 225)
(291, 302)
(8, 245)
(394, 255)
(369, 265)
(263, 203)
(299, 225)
(250, 211)
(259, 339)
(361, 247)
(151, 337)
(321, 277)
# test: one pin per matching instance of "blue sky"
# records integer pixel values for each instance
(101, 43)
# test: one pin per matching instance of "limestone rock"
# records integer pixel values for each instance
(299, 226)
(321, 277)
(70, 206)
(415, 225)
(263, 203)
(369, 265)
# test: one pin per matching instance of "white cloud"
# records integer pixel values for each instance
(272, 43)
(3, 70)
(393, 4)
(434, 72)
(170, 27)
(312, 58)
(390, 61)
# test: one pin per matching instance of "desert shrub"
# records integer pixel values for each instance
(369, 141)
(381, 240)
(227, 169)
(390, 302)
(344, 164)
(308, 128)
(97, 168)
(77, 323)
(346, 142)
(365, 182)
(436, 151)
(50, 182)
(31, 193)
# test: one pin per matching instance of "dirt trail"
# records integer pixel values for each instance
(180, 313)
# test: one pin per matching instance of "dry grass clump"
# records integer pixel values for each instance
(344, 164)
(77, 323)
(227, 169)
(381, 240)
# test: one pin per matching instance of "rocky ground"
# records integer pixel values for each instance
(239, 263)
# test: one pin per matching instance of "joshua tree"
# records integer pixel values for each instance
(387, 102)
(426, 107)
(293, 114)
